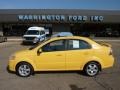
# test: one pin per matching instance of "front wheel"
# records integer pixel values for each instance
(24, 69)
(92, 69)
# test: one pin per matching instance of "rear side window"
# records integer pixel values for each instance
(78, 44)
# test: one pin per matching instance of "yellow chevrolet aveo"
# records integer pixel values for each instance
(63, 54)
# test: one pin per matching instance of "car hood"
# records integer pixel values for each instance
(22, 52)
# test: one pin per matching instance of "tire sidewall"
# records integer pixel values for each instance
(24, 63)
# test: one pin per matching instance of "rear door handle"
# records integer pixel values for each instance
(86, 53)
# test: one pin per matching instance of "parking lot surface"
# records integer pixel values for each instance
(108, 79)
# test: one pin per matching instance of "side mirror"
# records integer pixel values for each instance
(39, 51)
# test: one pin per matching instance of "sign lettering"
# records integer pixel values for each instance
(60, 18)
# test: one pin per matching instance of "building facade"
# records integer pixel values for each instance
(100, 23)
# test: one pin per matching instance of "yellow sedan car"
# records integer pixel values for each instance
(63, 54)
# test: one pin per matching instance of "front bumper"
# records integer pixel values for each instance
(12, 65)
(109, 62)
(25, 41)
(30, 41)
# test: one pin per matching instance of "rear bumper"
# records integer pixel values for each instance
(110, 62)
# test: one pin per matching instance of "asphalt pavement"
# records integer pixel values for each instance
(108, 79)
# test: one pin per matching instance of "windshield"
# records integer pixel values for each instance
(32, 32)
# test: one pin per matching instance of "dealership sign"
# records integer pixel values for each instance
(73, 18)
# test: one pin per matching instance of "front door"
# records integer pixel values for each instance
(52, 56)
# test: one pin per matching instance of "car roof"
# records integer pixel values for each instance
(36, 28)
(70, 37)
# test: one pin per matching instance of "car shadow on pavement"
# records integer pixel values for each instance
(74, 87)
(61, 72)
(52, 72)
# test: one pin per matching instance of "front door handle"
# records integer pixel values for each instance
(86, 53)
(59, 55)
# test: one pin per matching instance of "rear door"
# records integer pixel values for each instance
(77, 52)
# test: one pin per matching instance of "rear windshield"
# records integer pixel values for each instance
(98, 42)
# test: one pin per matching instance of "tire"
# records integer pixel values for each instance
(24, 69)
(92, 69)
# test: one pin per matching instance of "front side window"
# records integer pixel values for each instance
(78, 44)
(58, 45)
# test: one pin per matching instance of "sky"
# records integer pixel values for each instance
(61, 4)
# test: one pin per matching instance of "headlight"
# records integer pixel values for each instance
(36, 39)
(12, 57)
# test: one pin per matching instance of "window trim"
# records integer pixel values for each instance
(79, 41)
(65, 46)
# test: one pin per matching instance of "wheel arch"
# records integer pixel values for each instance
(32, 65)
(95, 61)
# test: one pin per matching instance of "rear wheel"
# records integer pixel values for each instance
(92, 69)
(24, 69)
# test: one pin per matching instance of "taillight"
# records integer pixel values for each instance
(110, 52)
